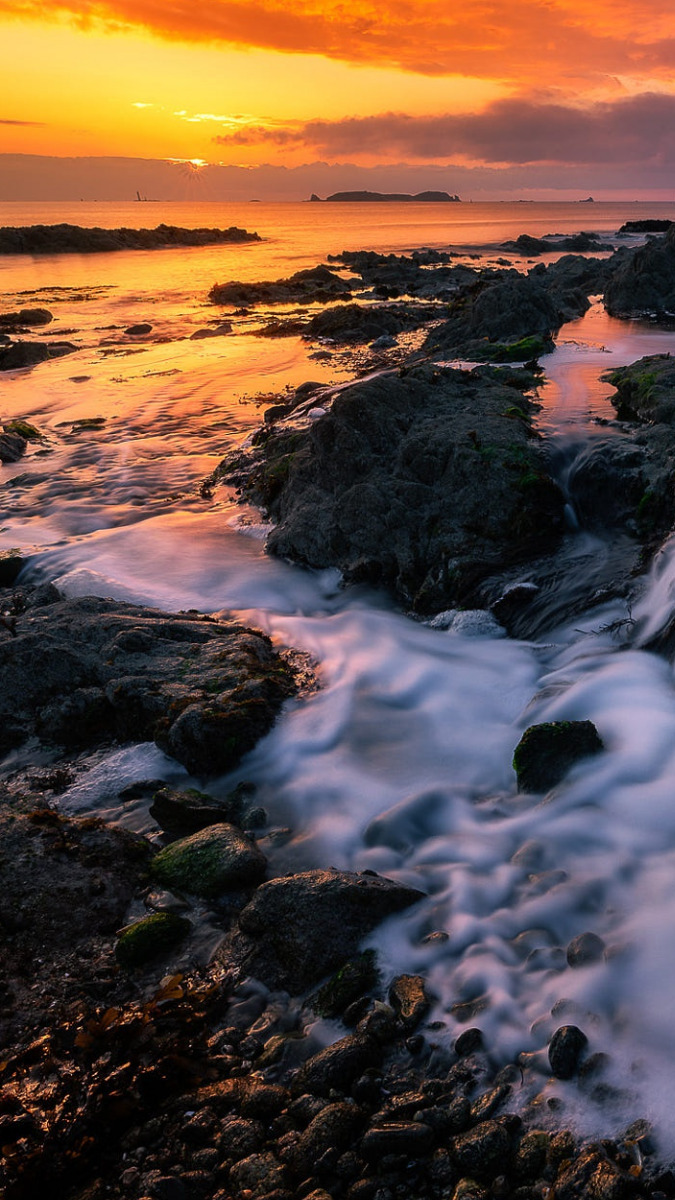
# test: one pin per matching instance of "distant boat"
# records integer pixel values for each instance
(142, 199)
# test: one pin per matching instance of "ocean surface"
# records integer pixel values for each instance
(401, 762)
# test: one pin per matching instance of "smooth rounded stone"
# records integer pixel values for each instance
(546, 752)
(260, 1173)
(26, 316)
(298, 928)
(334, 1128)
(240, 1137)
(23, 354)
(139, 329)
(489, 1102)
(350, 983)
(12, 562)
(214, 860)
(481, 1149)
(409, 1000)
(215, 331)
(263, 1100)
(189, 811)
(150, 938)
(338, 1065)
(477, 622)
(468, 1042)
(384, 342)
(411, 1138)
(565, 1049)
(585, 950)
(530, 1156)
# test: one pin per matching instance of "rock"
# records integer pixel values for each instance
(502, 309)
(12, 563)
(643, 282)
(545, 753)
(356, 978)
(468, 1042)
(409, 1000)
(12, 447)
(186, 812)
(212, 861)
(300, 927)
(139, 330)
(645, 389)
(584, 950)
(24, 429)
(334, 1128)
(359, 323)
(396, 487)
(411, 1138)
(23, 354)
(76, 239)
(571, 281)
(315, 285)
(565, 1049)
(338, 1065)
(646, 225)
(241, 1137)
(149, 938)
(26, 316)
(258, 1175)
(384, 342)
(219, 331)
(204, 690)
(482, 1149)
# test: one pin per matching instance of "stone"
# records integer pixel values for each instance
(334, 1128)
(643, 281)
(409, 1000)
(184, 812)
(411, 1138)
(338, 1065)
(482, 1149)
(138, 330)
(78, 239)
(12, 447)
(23, 354)
(584, 950)
(565, 1049)
(355, 979)
(298, 928)
(214, 860)
(150, 938)
(546, 752)
(26, 316)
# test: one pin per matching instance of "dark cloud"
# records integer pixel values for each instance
(636, 130)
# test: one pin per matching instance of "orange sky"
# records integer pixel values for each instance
(416, 81)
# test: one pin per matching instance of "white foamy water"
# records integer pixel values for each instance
(401, 763)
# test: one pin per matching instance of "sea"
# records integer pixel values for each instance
(401, 760)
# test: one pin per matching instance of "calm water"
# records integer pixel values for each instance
(402, 762)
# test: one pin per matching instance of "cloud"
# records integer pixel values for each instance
(519, 41)
(635, 129)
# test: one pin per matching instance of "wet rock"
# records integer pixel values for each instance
(338, 1065)
(316, 284)
(352, 981)
(546, 752)
(497, 309)
(218, 331)
(530, 1157)
(646, 225)
(12, 447)
(23, 354)
(214, 860)
(408, 997)
(186, 812)
(565, 1049)
(411, 1138)
(334, 1128)
(643, 282)
(571, 281)
(139, 329)
(204, 690)
(150, 938)
(77, 239)
(397, 487)
(359, 323)
(584, 950)
(259, 1174)
(645, 389)
(481, 1149)
(240, 1137)
(26, 316)
(12, 563)
(300, 927)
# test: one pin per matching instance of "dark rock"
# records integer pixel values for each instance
(76, 239)
(150, 938)
(584, 950)
(502, 309)
(12, 562)
(354, 980)
(565, 1049)
(12, 447)
(218, 331)
(138, 330)
(214, 860)
(317, 284)
(643, 282)
(258, 1174)
(338, 1065)
(334, 1128)
(468, 1042)
(299, 928)
(359, 323)
(26, 316)
(23, 354)
(396, 486)
(645, 389)
(646, 225)
(545, 753)
(186, 812)
(571, 280)
(203, 690)
(409, 999)
(482, 1149)
(240, 1137)
(411, 1138)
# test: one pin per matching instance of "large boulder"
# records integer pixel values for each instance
(299, 928)
(502, 309)
(214, 860)
(79, 672)
(424, 481)
(546, 752)
(316, 284)
(644, 281)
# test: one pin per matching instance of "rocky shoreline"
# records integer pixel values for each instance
(79, 239)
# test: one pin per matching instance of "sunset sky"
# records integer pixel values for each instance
(534, 94)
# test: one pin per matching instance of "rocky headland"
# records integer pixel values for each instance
(78, 239)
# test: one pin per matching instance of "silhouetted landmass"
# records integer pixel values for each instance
(433, 197)
(646, 225)
(76, 239)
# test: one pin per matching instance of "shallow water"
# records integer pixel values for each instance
(402, 761)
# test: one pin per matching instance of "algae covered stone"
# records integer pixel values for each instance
(211, 861)
(149, 938)
(546, 752)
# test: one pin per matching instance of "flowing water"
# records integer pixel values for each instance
(401, 762)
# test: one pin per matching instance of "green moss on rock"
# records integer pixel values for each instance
(149, 938)
(214, 860)
(546, 752)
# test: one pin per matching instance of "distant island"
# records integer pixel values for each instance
(378, 197)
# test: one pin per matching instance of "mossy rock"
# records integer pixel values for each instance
(148, 939)
(24, 430)
(546, 752)
(525, 350)
(214, 860)
(355, 979)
